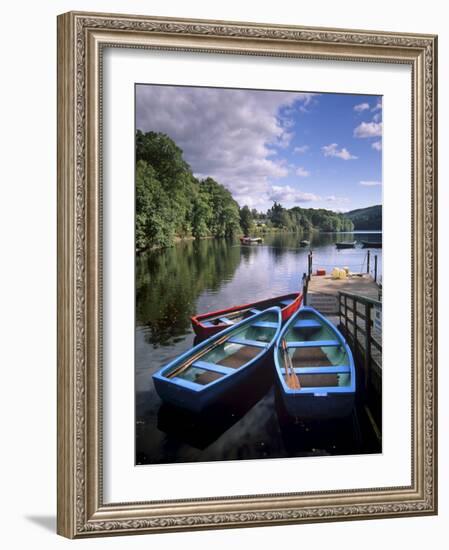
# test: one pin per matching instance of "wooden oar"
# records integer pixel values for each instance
(291, 377)
(191, 360)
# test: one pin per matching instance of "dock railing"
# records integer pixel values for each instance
(361, 324)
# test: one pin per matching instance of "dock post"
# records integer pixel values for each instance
(368, 254)
(305, 284)
(346, 316)
(375, 268)
(309, 268)
(367, 344)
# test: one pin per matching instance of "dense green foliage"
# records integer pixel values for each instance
(366, 218)
(246, 220)
(305, 219)
(171, 203)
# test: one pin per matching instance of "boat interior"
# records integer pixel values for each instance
(317, 356)
(230, 353)
(240, 315)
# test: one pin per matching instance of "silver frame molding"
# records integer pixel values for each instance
(81, 38)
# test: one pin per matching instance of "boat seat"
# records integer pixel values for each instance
(245, 342)
(286, 302)
(207, 324)
(225, 321)
(264, 324)
(212, 367)
(307, 323)
(254, 310)
(314, 344)
(338, 369)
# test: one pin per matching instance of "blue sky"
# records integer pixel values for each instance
(298, 148)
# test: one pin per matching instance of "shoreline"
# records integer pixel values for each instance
(273, 231)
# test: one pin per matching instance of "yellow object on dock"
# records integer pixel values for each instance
(338, 273)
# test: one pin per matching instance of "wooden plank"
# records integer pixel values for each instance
(338, 369)
(212, 367)
(245, 342)
(314, 344)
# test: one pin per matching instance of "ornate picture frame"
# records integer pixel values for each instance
(82, 37)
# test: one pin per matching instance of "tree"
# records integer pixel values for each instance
(155, 222)
(225, 219)
(246, 220)
(201, 215)
(162, 153)
(275, 214)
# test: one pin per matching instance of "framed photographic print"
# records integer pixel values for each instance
(247, 274)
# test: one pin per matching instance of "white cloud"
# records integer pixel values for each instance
(307, 100)
(368, 129)
(361, 107)
(301, 149)
(302, 172)
(377, 107)
(333, 151)
(228, 134)
(285, 139)
(377, 145)
(370, 183)
(288, 194)
(377, 117)
(288, 122)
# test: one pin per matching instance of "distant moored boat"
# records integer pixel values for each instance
(304, 243)
(346, 244)
(372, 244)
(251, 240)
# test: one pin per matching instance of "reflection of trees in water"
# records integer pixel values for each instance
(285, 243)
(169, 281)
(248, 251)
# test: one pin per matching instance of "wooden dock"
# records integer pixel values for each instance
(322, 291)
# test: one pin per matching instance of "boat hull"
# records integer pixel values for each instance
(191, 394)
(345, 245)
(195, 402)
(367, 244)
(204, 330)
(249, 240)
(321, 402)
(316, 407)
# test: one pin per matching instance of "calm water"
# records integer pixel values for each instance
(193, 277)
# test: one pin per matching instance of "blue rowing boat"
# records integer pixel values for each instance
(314, 367)
(211, 370)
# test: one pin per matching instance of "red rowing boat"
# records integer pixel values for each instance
(207, 324)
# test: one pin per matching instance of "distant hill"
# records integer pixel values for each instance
(366, 218)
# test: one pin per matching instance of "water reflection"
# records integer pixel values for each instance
(193, 277)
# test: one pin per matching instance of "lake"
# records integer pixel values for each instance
(199, 276)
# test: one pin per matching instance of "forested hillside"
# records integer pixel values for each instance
(366, 218)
